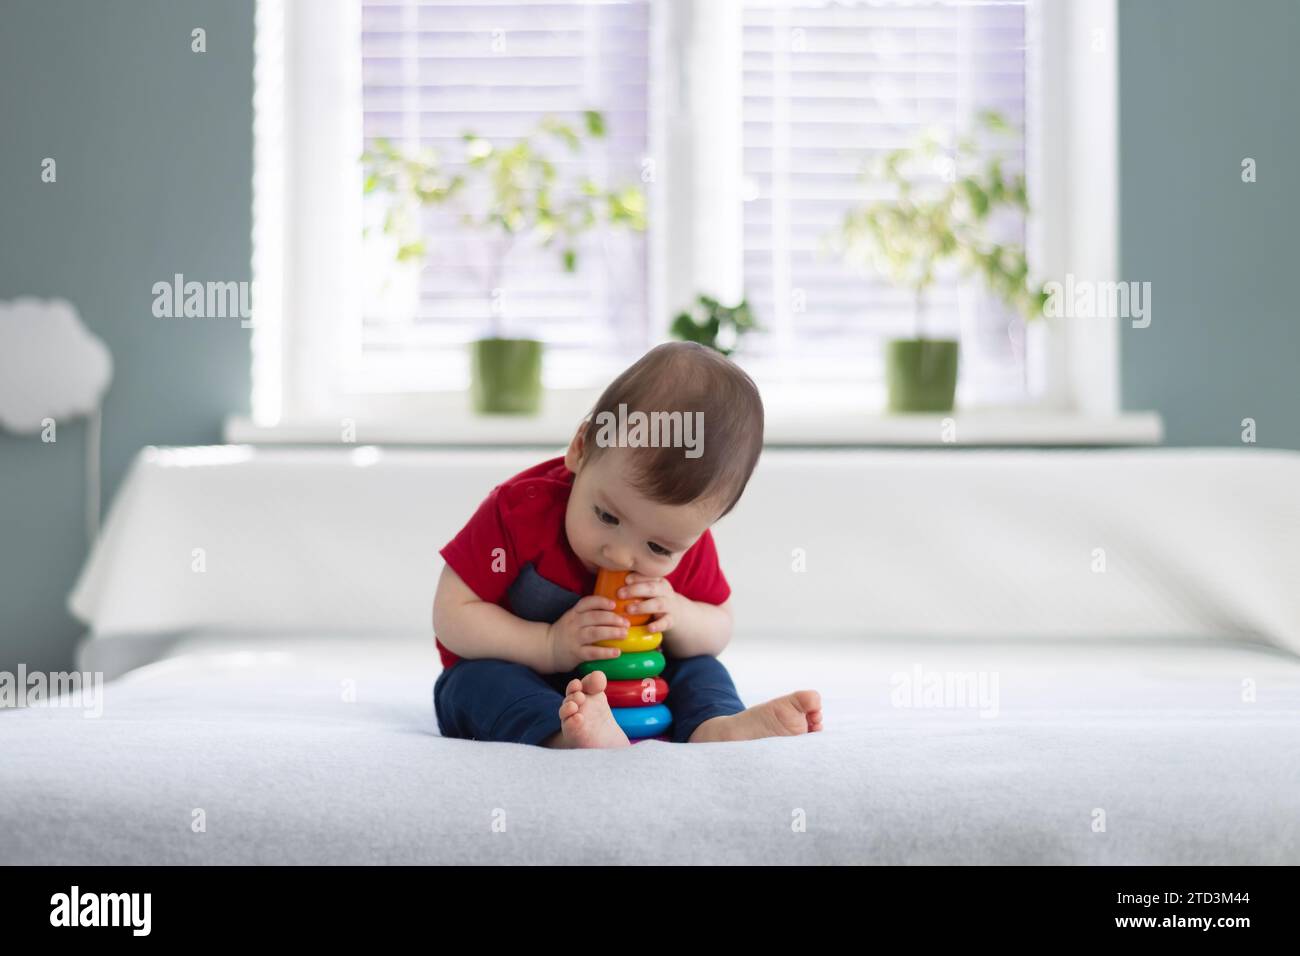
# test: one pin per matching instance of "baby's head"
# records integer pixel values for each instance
(638, 507)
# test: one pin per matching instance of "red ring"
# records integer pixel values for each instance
(628, 693)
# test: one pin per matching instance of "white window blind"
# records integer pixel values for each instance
(827, 87)
(433, 70)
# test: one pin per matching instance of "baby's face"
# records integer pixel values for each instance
(611, 525)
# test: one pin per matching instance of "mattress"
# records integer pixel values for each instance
(308, 748)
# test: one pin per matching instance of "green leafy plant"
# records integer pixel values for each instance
(509, 192)
(945, 197)
(711, 323)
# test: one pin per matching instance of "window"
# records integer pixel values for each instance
(432, 71)
(753, 119)
(828, 86)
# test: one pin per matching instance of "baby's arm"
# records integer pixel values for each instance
(690, 628)
(471, 627)
(698, 628)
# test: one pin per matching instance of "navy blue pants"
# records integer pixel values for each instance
(490, 699)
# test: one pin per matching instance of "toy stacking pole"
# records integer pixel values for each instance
(636, 691)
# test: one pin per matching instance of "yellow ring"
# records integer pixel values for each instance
(638, 639)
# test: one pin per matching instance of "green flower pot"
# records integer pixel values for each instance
(506, 376)
(921, 374)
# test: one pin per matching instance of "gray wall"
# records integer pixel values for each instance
(154, 150)
(1203, 84)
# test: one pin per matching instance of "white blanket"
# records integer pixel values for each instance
(977, 544)
(1133, 752)
(1128, 623)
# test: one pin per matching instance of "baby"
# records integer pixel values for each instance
(514, 613)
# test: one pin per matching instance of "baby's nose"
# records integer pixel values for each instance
(618, 561)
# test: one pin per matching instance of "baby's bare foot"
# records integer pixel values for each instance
(585, 717)
(788, 716)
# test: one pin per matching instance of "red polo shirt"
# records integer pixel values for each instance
(524, 518)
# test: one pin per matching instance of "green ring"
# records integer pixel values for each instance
(627, 666)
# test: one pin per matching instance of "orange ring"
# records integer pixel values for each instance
(607, 584)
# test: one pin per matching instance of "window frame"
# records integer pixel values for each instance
(308, 56)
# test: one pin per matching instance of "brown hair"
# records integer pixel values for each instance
(687, 377)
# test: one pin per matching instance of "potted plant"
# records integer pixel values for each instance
(944, 198)
(508, 193)
(394, 253)
(711, 323)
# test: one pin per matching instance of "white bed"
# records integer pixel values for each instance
(257, 734)
(308, 743)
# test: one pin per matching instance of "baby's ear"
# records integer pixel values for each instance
(573, 455)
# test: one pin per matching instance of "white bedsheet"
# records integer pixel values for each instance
(255, 732)
(978, 544)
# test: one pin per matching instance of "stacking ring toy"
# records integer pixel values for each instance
(636, 693)
(607, 584)
(638, 722)
(627, 666)
(638, 639)
(642, 740)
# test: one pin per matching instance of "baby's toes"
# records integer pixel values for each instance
(595, 683)
(569, 708)
(810, 702)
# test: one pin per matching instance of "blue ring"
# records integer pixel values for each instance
(643, 721)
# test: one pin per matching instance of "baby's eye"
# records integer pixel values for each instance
(605, 516)
(659, 549)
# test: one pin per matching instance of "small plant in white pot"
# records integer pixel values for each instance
(710, 323)
(509, 193)
(944, 200)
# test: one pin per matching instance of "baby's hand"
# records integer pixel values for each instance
(572, 639)
(658, 600)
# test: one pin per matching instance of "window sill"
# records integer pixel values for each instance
(827, 426)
